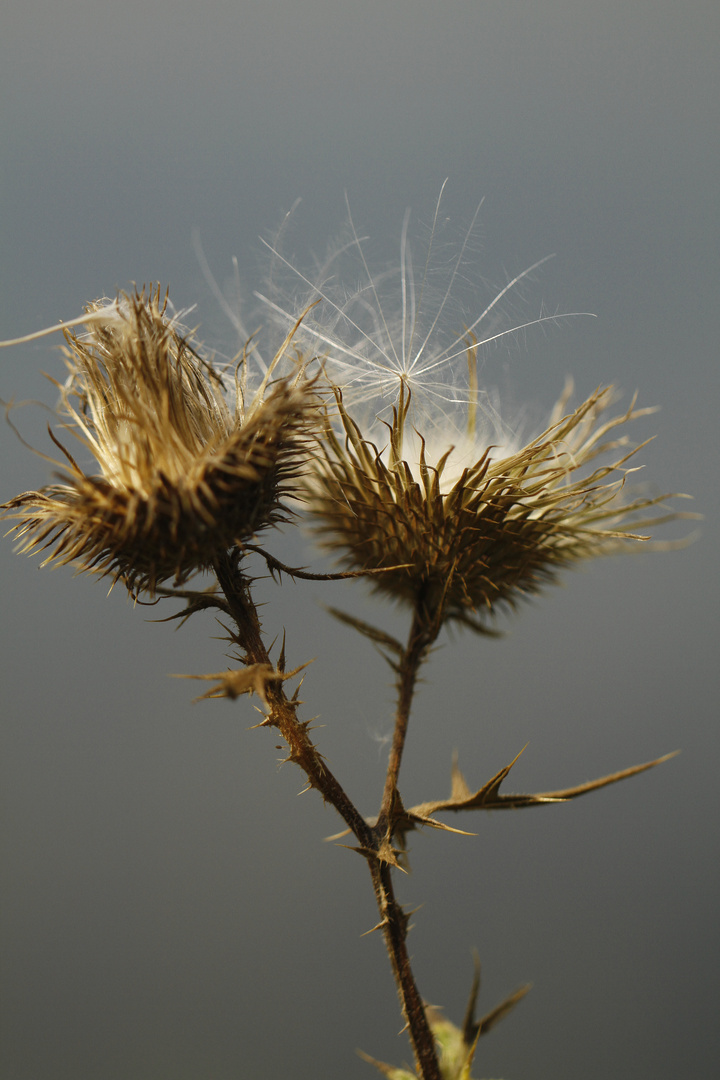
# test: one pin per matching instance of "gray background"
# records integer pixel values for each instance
(170, 910)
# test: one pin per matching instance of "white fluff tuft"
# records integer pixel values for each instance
(406, 328)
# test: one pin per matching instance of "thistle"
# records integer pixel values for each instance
(421, 477)
(456, 521)
(458, 544)
(182, 473)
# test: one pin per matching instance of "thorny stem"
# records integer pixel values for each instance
(394, 925)
(281, 714)
(236, 588)
(420, 638)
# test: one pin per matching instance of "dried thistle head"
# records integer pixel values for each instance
(183, 474)
(462, 544)
(420, 476)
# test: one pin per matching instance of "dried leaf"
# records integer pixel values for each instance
(379, 637)
(500, 1011)
(488, 797)
(388, 1070)
(252, 679)
(384, 853)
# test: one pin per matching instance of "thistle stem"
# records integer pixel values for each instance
(236, 587)
(420, 639)
(394, 927)
(393, 921)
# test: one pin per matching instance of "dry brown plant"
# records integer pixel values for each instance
(193, 467)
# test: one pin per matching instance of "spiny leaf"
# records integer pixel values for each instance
(379, 637)
(472, 1028)
(488, 797)
(388, 1070)
(276, 567)
(500, 1011)
(253, 679)
(384, 853)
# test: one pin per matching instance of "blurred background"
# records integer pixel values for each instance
(170, 911)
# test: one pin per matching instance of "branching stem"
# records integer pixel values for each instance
(282, 715)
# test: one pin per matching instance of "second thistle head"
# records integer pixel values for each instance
(461, 520)
(458, 545)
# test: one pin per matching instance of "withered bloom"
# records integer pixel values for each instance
(183, 475)
(419, 476)
(465, 542)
